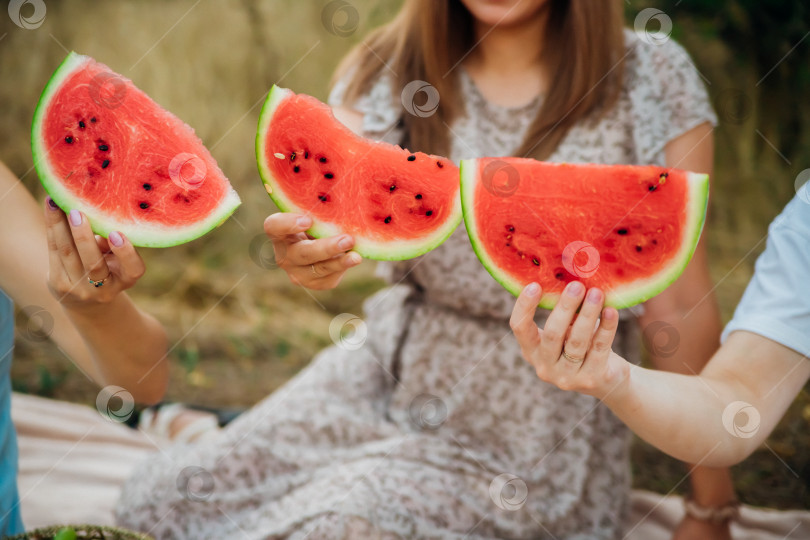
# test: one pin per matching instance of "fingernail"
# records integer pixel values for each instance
(52, 204)
(303, 221)
(75, 218)
(345, 242)
(594, 296)
(532, 289)
(116, 239)
(354, 259)
(575, 288)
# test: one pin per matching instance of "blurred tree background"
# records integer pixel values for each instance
(238, 328)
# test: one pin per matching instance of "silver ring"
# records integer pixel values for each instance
(572, 359)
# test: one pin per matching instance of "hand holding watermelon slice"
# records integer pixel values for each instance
(103, 147)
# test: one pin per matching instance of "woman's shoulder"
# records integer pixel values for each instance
(657, 59)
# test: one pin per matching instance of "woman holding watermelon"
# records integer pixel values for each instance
(76, 284)
(424, 431)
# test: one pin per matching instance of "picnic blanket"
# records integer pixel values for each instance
(73, 462)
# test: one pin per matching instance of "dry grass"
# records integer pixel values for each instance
(211, 63)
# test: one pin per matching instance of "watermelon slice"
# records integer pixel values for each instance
(629, 230)
(104, 147)
(396, 204)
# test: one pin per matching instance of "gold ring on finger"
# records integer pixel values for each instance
(98, 282)
(572, 359)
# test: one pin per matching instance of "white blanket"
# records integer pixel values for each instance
(73, 462)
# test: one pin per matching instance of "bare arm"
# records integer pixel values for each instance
(686, 315)
(105, 335)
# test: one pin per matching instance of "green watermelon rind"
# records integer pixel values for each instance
(366, 247)
(619, 298)
(102, 223)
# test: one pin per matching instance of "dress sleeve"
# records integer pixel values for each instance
(668, 96)
(776, 303)
(379, 107)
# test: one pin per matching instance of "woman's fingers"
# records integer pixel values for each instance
(317, 274)
(94, 264)
(307, 252)
(60, 241)
(603, 337)
(522, 320)
(282, 224)
(582, 330)
(129, 265)
(556, 327)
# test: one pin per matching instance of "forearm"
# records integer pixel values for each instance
(128, 347)
(682, 415)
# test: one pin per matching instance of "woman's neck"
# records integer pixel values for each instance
(506, 65)
(511, 48)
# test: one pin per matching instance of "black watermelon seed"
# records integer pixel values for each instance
(388, 219)
(508, 244)
(306, 154)
(418, 195)
(147, 187)
(144, 205)
(510, 228)
(535, 261)
(322, 159)
(93, 120)
(323, 197)
(429, 213)
(560, 276)
(329, 175)
(638, 248)
(81, 124)
(69, 139)
(292, 156)
(392, 188)
(652, 187)
(412, 158)
(439, 164)
(105, 163)
(663, 175)
(622, 232)
(296, 168)
(103, 147)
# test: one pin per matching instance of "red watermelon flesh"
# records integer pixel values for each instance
(629, 230)
(396, 204)
(104, 147)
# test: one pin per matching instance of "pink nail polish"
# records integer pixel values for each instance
(116, 239)
(532, 289)
(75, 218)
(594, 296)
(574, 288)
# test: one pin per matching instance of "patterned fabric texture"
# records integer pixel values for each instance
(436, 427)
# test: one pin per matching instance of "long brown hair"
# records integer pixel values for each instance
(583, 49)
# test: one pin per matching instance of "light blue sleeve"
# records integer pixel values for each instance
(776, 303)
